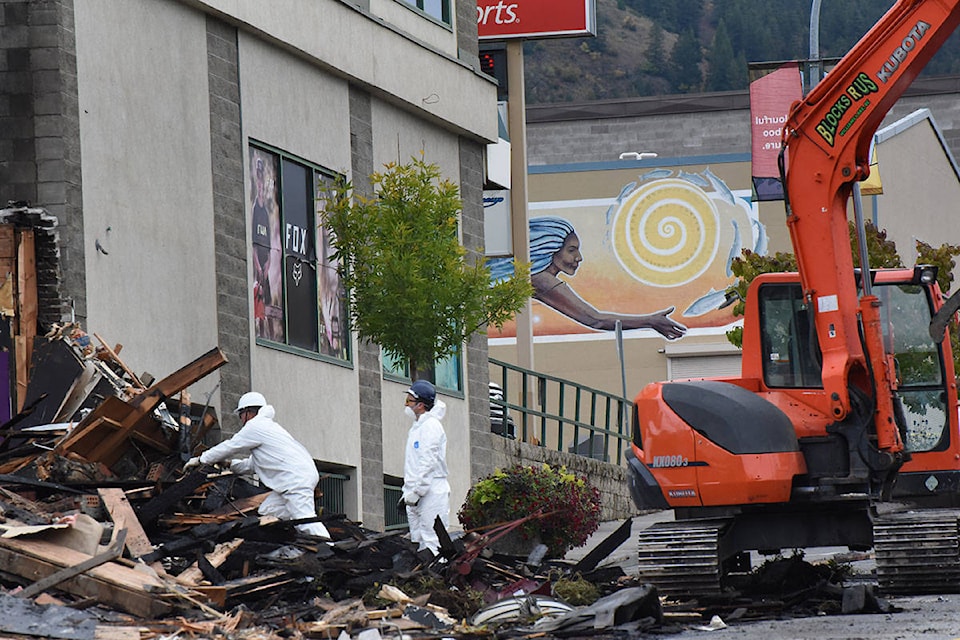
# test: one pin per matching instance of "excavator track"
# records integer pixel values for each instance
(681, 558)
(918, 552)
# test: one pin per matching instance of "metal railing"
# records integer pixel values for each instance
(394, 517)
(560, 414)
(331, 486)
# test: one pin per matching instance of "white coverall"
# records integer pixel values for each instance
(425, 477)
(283, 465)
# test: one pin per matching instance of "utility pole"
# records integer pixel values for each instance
(517, 122)
(815, 73)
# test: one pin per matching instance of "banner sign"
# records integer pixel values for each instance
(503, 19)
(770, 98)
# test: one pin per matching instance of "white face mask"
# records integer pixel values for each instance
(410, 413)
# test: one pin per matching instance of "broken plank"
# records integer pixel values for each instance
(215, 595)
(111, 584)
(105, 420)
(122, 514)
(192, 574)
(62, 556)
(607, 546)
(116, 358)
(152, 510)
(27, 298)
(256, 584)
(124, 517)
(52, 580)
(241, 506)
(182, 378)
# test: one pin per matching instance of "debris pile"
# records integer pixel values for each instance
(101, 531)
(103, 535)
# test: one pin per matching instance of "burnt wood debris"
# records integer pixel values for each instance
(102, 535)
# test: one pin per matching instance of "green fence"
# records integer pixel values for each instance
(559, 414)
(331, 485)
(394, 517)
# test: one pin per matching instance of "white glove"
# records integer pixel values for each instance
(191, 463)
(410, 498)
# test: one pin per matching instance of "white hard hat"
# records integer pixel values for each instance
(251, 399)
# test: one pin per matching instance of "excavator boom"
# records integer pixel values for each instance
(827, 140)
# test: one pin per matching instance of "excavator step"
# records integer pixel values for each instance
(918, 552)
(680, 558)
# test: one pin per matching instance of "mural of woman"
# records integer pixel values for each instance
(555, 249)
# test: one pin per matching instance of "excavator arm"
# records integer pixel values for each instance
(826, 143)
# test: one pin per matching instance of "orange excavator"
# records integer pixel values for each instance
(847, 399)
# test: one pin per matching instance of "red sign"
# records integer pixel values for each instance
(770, 98)
(502, 19)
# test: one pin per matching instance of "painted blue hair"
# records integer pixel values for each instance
(547, 235)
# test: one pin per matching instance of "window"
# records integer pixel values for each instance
(437, 9)
(446, 372)
(294, 305)
(791, 353)
(905, 316)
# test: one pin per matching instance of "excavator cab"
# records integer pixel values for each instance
(790, 352)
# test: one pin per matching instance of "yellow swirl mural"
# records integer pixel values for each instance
(653, 251)
(666, 233)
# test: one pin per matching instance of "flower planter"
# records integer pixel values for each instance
(569, 504)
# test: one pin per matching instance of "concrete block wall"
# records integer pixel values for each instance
(695, 125)
(603, 140)
(40, 135)
(477, 356)
(229, 216)
(368, 355)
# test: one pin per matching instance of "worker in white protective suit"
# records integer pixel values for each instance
(426, 491)
(282, 464)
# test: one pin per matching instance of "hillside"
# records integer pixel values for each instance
(652, 47)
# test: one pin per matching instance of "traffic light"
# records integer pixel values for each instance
(493, 62)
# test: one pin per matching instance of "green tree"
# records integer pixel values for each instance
(882, 252)
(685, 61)
(415, 290)
(653, 54)
(746, 267)
(724, 71)
(943, 258)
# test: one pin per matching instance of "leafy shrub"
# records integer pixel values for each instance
(570, 504)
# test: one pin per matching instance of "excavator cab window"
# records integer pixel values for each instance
(791, 352)
(905, 316)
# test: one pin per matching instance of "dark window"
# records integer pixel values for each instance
(298, 300)
(791, 352)
(300, 256)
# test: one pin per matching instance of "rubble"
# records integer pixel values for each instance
(102, 535)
